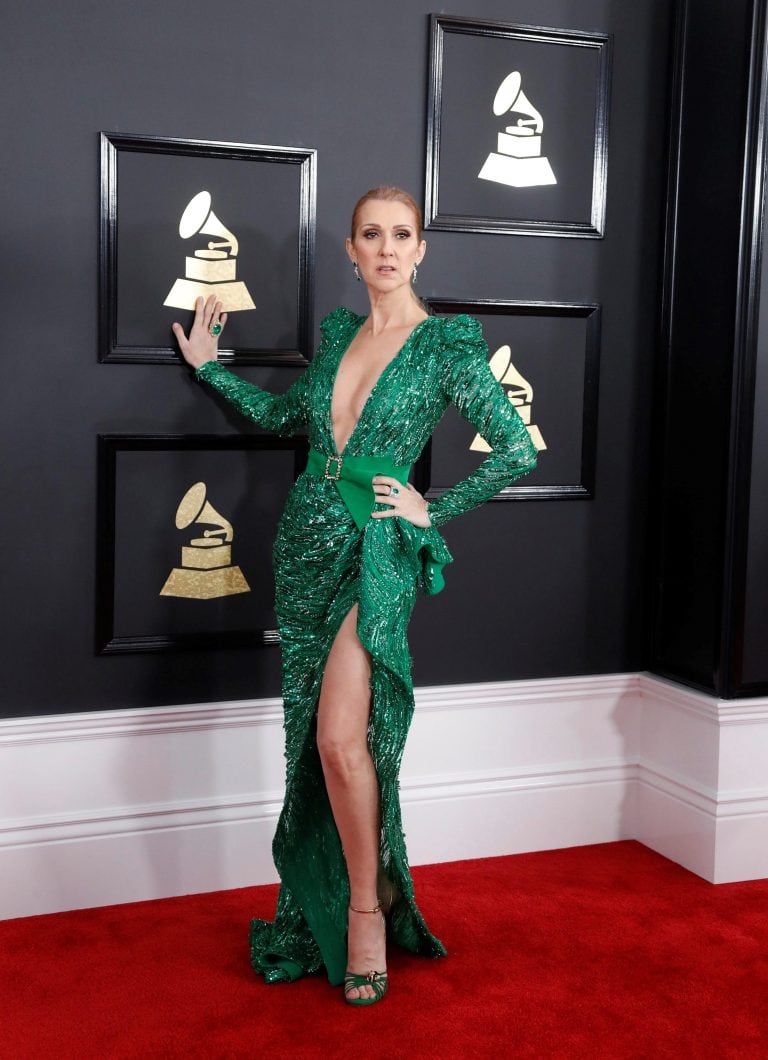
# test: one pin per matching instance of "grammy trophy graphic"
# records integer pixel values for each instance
(212, 269)
(206, 570)
(518, 162)
(519, 392)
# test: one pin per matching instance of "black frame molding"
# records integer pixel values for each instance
(113, 143)
(109, 445)
(433, 218)
(591, 313)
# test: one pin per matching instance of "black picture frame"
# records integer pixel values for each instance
(466, 61)
(556, 341)
(142, 479)
(266, 194)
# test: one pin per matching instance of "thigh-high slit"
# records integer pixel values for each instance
(309, 930)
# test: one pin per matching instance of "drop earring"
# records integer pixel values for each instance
(415, 273)
(357, 271)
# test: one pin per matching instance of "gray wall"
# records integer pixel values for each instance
(538, 589)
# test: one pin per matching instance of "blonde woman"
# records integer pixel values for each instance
(354, 544)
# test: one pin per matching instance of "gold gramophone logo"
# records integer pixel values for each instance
(520, 394)
(212, 267)
(518, 162)
(206, 570)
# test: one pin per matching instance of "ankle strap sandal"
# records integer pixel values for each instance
(377, 980)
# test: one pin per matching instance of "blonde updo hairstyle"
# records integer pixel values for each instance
(386, 193)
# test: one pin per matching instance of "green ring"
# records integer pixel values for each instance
(215, 330)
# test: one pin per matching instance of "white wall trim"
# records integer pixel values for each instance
(718, 711)
(56, 828)
(62, 827)
(454, 786)
(717, 803)
(103, 807)
(95, 725)
(702, 794)
(554, 689)
(680, 788)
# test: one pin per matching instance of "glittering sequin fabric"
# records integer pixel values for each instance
(323, 565)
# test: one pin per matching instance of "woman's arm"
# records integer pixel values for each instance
(279, 413)
(473, 389)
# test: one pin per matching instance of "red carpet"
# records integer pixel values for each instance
(603, 951)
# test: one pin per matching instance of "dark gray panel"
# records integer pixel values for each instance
(537, 589)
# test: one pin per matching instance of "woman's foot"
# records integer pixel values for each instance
(366, 953)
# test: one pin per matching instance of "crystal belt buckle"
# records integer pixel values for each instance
(333, 460)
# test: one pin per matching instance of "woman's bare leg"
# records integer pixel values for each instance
(353, 790)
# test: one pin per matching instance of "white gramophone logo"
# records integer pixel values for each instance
(212, 268)
(519, 392)
(206, 570)
(518, 162)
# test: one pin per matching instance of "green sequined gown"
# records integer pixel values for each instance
(323, 565)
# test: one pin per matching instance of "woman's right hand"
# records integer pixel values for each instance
(201, 346)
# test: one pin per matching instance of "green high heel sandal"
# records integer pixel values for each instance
(378, 980)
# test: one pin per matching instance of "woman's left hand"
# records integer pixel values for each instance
(404, 501)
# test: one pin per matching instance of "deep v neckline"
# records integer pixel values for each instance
(374, 388)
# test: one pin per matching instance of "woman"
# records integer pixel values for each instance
(354, 543)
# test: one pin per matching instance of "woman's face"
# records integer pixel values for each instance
(386, 245)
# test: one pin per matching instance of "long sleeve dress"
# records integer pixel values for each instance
(324, 564)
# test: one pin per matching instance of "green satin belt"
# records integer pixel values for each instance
(352, 475)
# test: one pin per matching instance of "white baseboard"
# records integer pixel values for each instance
(702, 782)
(508, 767)
(121, 806)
